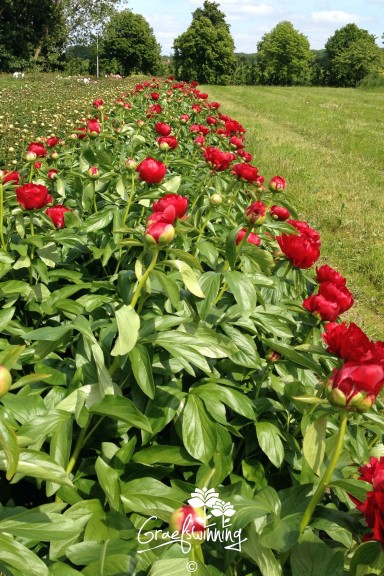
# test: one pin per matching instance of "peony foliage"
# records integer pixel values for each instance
(171, 344)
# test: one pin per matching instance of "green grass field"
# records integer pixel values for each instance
(328, 144)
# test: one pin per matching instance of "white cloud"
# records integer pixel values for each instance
(242, 7)
(335, 17)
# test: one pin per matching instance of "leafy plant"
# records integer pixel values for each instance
(154, 329)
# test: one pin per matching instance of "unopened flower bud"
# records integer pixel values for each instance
(5, 380)
(216, 199)
(130, 164)
(30, 156)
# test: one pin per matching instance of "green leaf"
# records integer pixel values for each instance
(368, 558)
(210, 284)
(38, 525)
(233, 398)
(38, 465)
(142, 369)
(49, 254)
(120, 408)
(314, 443)
(282, 533)
(189, 278)
(198, 430)
(268, 436)
(312, 557)
(151, 497)
(16, 556)
(171, 185)
(6, 316)
(48, 333)
(230, 247)
(109, 480)
(99, 220)
(357, 488)
(14, 288)
(128, 326)
(243, 291)
(261, 556)
(298, 358)
(247, 354)
(169, 286)
(8, 441)
(266, 501)
(162, 454)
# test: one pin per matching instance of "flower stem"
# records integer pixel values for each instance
(144, 277)
(130, 198)
(3, 244)
(78, 446)
(204, 225)
(317, 496)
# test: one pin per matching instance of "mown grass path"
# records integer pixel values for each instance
(328, 144)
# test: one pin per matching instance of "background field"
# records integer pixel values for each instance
(328, 144)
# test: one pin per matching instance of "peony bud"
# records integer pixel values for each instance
(5, 380)
(160, 233)
(189, 522)
(216, 199)
(131, 164)
(31, 156)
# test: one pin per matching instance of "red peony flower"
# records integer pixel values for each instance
(373, 472)
(339, 294)
(277, 183)
(246, 156)
(180, 204)
(348, 341)
(355, 385)
(199, 140)
(279, 212)
(160, 233)
(155, 95)
(98, 103)
(217, 159)
(11, 177)
(52, 174)
(52, 141)
(251, 239)
(93, 127)
(33, 196)
(236, 142)
(327, 274)
(305, 230)
(37, 148)
(163, 129)
(56, 214)
(245, 172)
(167, 142)
(324, 309)
(256, 212)
(300, 250)
(372, 510)
(151, 170)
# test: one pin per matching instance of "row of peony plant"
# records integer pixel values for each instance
(162, 317)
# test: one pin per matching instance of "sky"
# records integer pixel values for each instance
(249, 20)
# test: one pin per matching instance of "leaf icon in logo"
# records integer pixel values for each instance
(203, 498)
(222, 508)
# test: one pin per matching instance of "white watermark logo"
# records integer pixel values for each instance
(207, 518)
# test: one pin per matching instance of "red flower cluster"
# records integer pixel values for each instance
(358, 382)
(373, 506)
(37, 148)
(303, 250)
(333, 297)
(160, 228)
(217, 159)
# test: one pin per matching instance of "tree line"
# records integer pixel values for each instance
(67, 34)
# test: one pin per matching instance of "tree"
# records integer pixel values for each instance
(129, 40)
(30, 32)
(352, 54)
(283, 56)
(85, 17)
(205, 52)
